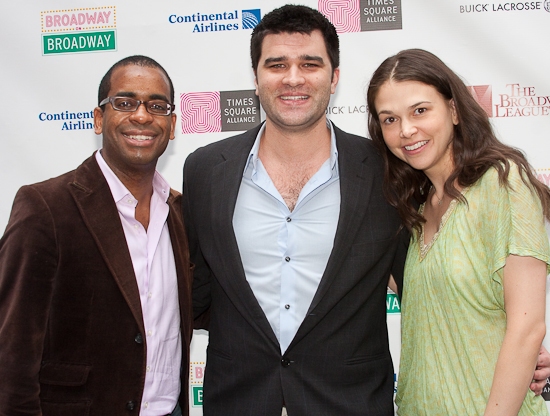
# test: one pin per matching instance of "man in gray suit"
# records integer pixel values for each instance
(293, 243)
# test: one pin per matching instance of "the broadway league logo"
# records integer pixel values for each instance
(211, 112)
(362, 15)
(88, 29)
(483, 94)
(522, 101)
(251, 18)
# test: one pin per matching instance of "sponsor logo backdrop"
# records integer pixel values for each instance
(56, 51)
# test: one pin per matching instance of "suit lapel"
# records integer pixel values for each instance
(226, 181)
(180, 249)
(356, 180)
(98, 209)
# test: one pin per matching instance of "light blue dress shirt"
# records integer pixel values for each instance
(285, 253)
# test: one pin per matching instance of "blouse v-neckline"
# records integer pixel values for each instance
(424, 248)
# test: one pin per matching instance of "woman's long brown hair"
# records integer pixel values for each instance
(475, 148)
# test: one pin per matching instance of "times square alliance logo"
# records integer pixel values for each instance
(362, 15)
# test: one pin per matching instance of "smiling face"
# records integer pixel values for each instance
(133, 141)
(417, 124)
(294, 80)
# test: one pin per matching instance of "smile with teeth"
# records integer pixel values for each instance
(139, 137)
(415, 146)
(294, 97)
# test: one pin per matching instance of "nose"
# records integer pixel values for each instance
(294, 76)
(408, 129)
(141, 115)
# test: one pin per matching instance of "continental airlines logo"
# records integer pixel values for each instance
(362, 15)
(89, 29)
(216, 111)
(69, 120)
(221, 21)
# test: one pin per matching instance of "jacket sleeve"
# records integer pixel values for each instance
(202, 273)
(28, 262)
(399, 259)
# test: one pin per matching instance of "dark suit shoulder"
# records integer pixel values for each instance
(226, 148)
(358, 147)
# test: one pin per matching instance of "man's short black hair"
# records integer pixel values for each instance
(139, 60)
(295, 19)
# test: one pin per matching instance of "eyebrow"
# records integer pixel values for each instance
(301, 57)
(134, 95)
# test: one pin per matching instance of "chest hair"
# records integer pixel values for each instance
(290, 181)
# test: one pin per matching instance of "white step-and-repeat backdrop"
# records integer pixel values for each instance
(54, 53)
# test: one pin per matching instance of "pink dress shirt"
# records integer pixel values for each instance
(155, 270)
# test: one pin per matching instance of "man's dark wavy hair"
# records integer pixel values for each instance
(295, 19)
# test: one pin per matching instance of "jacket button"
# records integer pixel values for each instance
(285, 362)
(139, 339)
(131, 405)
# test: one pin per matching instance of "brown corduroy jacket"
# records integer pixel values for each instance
(71, 328)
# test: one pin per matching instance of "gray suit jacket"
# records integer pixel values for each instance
(339, 361)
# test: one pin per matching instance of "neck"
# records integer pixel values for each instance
(141, 187)
(296, 146)
(439, 175)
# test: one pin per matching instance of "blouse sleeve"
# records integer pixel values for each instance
(517, 221)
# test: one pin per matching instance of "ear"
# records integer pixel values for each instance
(173, 126)
(335, 79)
(98, 120)
(256, 83)
(454, 113)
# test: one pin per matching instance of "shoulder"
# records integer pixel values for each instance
(358, 152)
(355, 143)
(515, 177)
(231, 146)
(85, 176)
(50, 189)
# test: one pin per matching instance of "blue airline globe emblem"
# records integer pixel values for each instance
(251, 18)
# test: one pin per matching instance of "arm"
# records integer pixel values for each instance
(525, 303)
(28, 260)
(542, 372)
(399, 262)
(392, 285)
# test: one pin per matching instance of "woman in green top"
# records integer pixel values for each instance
(474, 294)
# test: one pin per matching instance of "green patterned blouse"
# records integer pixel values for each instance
(453, 317)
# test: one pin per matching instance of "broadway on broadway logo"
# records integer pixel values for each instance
(216, 111)
(363, 15)
(87, 29)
